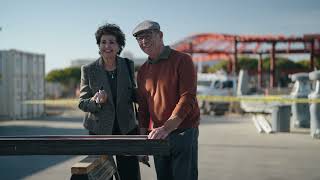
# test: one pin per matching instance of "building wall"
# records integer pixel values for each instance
(23, 79)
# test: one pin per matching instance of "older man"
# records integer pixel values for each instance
(167, 96)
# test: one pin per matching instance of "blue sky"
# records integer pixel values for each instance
(64, 30)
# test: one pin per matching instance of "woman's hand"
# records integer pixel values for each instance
(100, 97)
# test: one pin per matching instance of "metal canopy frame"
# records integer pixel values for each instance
(213, 46)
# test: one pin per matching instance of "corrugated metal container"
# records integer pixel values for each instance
(2, 101)
(22, 78)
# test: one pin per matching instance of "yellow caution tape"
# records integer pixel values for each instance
(280, 99)
(53, 102)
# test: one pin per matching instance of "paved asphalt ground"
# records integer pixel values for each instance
(229, 149)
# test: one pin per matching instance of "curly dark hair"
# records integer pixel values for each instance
(114, 30)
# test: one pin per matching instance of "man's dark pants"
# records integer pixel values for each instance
(182, 163)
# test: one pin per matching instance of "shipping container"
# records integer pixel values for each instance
(21, 79)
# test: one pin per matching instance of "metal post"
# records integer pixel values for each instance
(235, 59)
(312, 56)
(272, 66)
(191, 54)
(260, 71)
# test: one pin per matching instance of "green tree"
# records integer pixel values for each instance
(220, 65)
(281, 63)
(64, 76)
(55, 76)
(304, 64)
(245, 62)
(69, 77)
(317, 64)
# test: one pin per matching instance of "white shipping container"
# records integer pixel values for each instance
(2, 69)
(22, 79)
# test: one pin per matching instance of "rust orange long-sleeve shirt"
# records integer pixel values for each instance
(166, 88)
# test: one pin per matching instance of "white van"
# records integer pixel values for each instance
(215, 85)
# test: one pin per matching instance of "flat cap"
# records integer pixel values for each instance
(144, 26)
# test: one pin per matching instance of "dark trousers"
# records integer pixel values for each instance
(128, 166)
(182, 163)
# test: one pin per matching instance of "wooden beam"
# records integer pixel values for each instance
(82, 145)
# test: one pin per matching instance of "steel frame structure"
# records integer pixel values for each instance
(212, 46)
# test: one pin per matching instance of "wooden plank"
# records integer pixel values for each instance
(94, 168)
(88, 164)
(104, 171)
(82, 145)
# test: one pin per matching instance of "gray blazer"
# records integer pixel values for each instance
(100, 120)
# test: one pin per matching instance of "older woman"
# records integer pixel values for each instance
(106, 94)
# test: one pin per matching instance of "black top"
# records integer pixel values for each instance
(112, 77)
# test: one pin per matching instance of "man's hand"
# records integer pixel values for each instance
(158, 133)
(162, 132)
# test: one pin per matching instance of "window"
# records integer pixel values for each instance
(217, 85)
(227, 84)
(204, 83)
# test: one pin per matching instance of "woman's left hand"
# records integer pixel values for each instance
(101, 97)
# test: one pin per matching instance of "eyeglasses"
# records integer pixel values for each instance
(146, 35)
